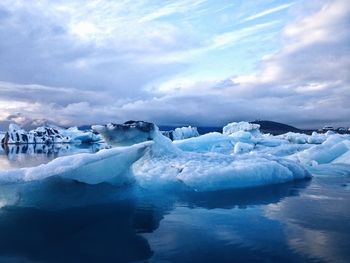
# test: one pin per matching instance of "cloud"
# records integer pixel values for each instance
(108, 61)
(268, 12)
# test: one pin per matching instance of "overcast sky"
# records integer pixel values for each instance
(176, 62)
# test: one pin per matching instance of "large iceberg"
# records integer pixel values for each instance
(204, 163)
(107, 165)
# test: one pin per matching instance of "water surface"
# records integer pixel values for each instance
(57, 220)
(29, 155)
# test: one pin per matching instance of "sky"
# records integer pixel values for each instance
(180, 62)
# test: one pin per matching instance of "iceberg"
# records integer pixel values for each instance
(107, 165)
(242, 126)
(299, 138)
(331, 149)
(181, 133)
(210, 171)
(78, 136)
(128, 133)
(215, 171)
(242, 147)
(210, 142)
(239, 157)
(47, 135)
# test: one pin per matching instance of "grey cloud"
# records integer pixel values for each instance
(37, 47)
(306, 83)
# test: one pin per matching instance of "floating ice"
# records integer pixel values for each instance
(242, 126)
(241, 157)
(331, 149)
(210, 142)
(47, 135)
(215, 171)
(78, 136)
(108, 165)
(300, 138)
(128, 133)
(210, 171)
(181, 133)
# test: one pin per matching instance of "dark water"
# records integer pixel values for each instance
(64, 221)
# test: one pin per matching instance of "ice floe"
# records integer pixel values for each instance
(107, 165)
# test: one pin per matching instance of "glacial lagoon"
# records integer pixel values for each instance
(65, 202)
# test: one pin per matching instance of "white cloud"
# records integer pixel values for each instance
(97, 62)
(268, 12)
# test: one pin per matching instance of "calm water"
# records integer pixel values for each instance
(55, 220)
(18, 156)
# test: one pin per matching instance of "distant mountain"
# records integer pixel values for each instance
(24, 122)
(275, 127)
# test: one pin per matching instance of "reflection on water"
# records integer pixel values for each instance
(320, 228)
(57, 220)
(29, 155)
